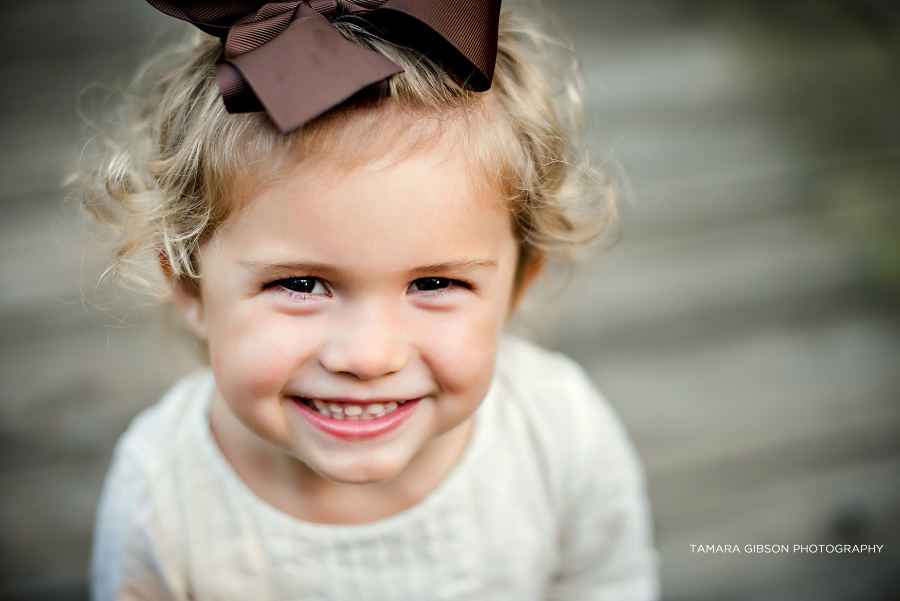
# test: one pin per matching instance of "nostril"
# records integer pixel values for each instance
(367, 340)
(364, 361)
(374, 368)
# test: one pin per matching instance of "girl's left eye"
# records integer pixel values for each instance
(304, 285)
(433, 284)
(428, 284)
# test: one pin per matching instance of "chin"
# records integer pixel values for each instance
(364, 471)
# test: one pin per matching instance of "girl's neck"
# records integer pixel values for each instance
(292, 487)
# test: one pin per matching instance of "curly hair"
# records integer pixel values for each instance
(188, 161)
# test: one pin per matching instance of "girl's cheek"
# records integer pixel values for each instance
(258, 358)
(460, 351)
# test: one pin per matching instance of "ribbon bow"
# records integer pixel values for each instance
(286, 57)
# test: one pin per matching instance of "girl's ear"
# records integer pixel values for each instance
(529, 275)
(187, 297)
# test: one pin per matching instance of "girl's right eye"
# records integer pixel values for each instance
(307, 285)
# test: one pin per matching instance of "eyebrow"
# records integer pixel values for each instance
(454, 265)
(265, 266)
(324, 268)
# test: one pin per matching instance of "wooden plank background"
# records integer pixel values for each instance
(744, 328)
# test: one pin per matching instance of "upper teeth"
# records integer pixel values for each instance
(352, 411)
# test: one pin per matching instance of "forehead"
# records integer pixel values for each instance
(360, 135)
(401, 197)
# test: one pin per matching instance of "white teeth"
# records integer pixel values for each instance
(353, 410)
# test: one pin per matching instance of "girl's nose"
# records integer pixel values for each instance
(367, 344)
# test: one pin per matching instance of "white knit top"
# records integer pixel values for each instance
(547, 502)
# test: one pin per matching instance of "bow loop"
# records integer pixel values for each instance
(288, 59)
(340, 8)
(258, 28)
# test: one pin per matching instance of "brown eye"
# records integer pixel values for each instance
(304, 285)
(426, 284)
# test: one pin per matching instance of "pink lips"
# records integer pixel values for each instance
(358, 429)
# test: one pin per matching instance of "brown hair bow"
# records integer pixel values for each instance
(287, 59)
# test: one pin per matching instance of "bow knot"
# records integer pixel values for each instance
(344, 7)
(288, 59)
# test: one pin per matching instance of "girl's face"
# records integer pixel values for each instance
(352, 315)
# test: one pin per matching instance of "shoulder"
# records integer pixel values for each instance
(147, 456)
(154, 442)
(155, 434)
(590, 468)
(528, 364)
(554, 391)
(570, 426)
(137, 529)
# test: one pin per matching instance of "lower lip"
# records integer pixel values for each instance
(358, 429)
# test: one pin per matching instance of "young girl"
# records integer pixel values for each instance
(348, 201)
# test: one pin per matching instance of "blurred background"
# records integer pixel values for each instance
(747, 327)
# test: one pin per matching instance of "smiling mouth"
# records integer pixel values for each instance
(345, 411)
(355, 421)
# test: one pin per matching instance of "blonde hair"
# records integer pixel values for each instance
(182, 174)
